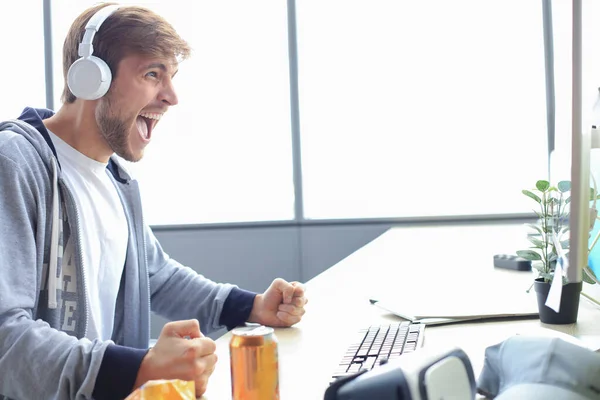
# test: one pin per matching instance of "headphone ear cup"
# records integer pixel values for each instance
(89, 78)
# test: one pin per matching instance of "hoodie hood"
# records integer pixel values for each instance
(30, 125)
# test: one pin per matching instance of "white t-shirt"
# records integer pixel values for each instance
(103, 232)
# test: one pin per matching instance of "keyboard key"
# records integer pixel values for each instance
(354, 368)
(362, 352)
(347, 360)
(369, 363)
(374, 351)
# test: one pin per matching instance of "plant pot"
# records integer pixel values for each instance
(569, 303)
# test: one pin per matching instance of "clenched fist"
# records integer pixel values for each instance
(181, 352)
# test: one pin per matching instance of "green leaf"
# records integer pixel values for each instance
(536, 242)
(542, 185)
(529, 255)
(535, 227)
(532, 195)
(564, 186)
(539, 267)
(547, 276)
(587, 278)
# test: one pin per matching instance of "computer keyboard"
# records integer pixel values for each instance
(378, 344)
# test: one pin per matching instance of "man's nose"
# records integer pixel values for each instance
(168, 95)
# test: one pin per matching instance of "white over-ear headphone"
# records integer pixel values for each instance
(89, 77)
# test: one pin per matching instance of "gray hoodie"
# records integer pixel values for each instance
(43, 303)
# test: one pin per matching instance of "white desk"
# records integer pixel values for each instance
(423, 264)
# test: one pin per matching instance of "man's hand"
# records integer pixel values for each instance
(176, 357)
(282, 304)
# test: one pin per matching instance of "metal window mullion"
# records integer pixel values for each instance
(295, 113)
(550, 84)
(47, 17)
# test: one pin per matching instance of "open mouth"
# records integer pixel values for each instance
(145, 123)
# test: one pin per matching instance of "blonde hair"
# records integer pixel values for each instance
(130, 30)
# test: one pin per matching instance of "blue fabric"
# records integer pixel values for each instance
(237, 308)
(529, 367)
(594, 256)
(118, 371)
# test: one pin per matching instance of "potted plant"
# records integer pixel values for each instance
(553, 227)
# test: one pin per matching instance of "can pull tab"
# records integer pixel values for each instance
(253, 330)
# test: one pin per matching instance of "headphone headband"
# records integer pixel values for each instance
(85, 47)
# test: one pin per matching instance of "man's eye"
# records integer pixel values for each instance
(152, 74)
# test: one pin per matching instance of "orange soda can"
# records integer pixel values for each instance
(254, 363)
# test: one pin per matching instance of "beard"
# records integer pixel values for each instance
(114, 129)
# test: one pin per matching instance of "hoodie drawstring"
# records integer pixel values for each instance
(52, 269)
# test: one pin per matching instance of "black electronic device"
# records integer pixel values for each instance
(422, 375)
(510, 261)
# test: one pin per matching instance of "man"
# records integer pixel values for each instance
(79, 269)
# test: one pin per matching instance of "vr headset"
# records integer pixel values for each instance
(422, 375)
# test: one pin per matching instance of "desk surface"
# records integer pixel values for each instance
(424, 264)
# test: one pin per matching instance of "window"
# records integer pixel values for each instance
(22, 65)
(420, 108)
(224, 153)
